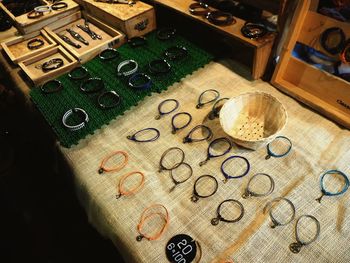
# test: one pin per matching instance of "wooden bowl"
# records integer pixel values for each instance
(253, 119)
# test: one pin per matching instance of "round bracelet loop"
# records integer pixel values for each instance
(52, 64)
(174, 128)
(122, 192)
(159, 66)
(249, 193)
(163, 166)
(111, 94)
(78, 73)
(140, 81)
(96, 83)
(207, 137)
(154, 138)
(271, 153)
(220, 18)
(35, 43)
(127, 63)
(235, 157)
(200, 103)
(108, 54)
(199, 9)
(272, 217)
(34, 14)
(325, 36)
(166, 33)
(211, 146)
(59, 5)
(162, 113)
(177, 182)
(195, 195)
(253, 30)
(324, 192)
(215, 221)
(214, 113)
(176, 53)
(85, 119)
(117, 168)
(137, 41)
(45, 88)
(42, 9)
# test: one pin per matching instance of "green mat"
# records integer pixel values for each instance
(53, 106)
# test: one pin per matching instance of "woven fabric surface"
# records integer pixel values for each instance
(53, 106)
(318, 145)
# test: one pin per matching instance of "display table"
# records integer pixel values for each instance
(318, 145)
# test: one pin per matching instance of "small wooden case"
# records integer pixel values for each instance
(17, 49)
(110, 36)
(32, 66)
(133, 21)
(26, 25)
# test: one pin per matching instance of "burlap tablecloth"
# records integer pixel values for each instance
(318, 145)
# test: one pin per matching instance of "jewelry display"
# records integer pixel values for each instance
(77, 36)
(163, 164)
(57, 86)
(215, 221)
(139, 133)
(78, 73)
(82, 124)
(177, 182)
(35, 43)
(147, 216)
(108, 54)
(122, 191)
(102, 169)
(250, 193)
(166, 33)
(92, 85)
(69, 41)
(225, 141)
(214, 113)
(195, 195)
(111, 94)
(159, 66)
(52, 64)
(140, 81)
(175, 53)
(202, 95)
(207, 137)
(278, 140)
(137, 41)
(227, 163)
(164, 102)
(220, 18)
(324, 192)
(127, 63)
(296, 247)
(175, 128)
(269, 207)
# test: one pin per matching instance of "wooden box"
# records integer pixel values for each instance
(110, 36)
(17, 50)
(32, 66)
(136, 20)
(321, 90)
(26, 25)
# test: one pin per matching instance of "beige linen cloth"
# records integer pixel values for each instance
(318, 145)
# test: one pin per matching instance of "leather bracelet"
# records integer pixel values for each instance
(176, 52)
(166, 33)
(59, 6)
(78, 126)
(215, 17)
(58, 86)
(97, 84)
(108, 54)
(42, 9)
(78, 73)
(137, 77)
(199, 9)
(127, 72)
(34, 14)
(111, 94)
(159, 66)
(52, 64)
(325, 37)
(35, 43)
(253, 30)
(137, 41)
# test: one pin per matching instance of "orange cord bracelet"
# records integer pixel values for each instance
(345, 54)
(103, 169)
(145, 217)
(132, 191)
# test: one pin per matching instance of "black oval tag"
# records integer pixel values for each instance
(181, 249)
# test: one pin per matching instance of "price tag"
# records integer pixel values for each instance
(181, 249)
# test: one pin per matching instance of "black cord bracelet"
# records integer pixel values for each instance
(78, 73)
(207, 135)
(111, 94)
(176, 52)
(220, 18)
(159, 66)
(137, 41)
(96, 83)
(215, 221)
(325, 36)
(47, 89)
(108, 54)
(34, 14)
(199, 9)
(59, 6)
(35, 43)
(253, 30)
(166, 33)
(52, 64)
(195, 195)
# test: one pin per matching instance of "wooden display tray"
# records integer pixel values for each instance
(133, 21)
(36, 75)
(26, 25)
(262, 49)
(320, 90)
(110, 36)
(17, 50)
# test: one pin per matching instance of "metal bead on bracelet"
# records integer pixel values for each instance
(97, 84)
(217, 141)
(269, 207)
(231, 159)
(167, 101)
(324, 192)
(47, 89)
(196, 195)
(35, 43)
(108, 54)
(278, 139)
(177, 182)
(207, 134)
(215, 221)
(127, 63)
(214, 113)
(140, 81)
(200, 103)
(250, 193)
(159, 66)
(78, 73)
(296, 247)
(134, 136)
(111, 94)
(175, 128)
(70, 112)
(162, 163)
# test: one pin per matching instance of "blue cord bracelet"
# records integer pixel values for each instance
(325, 192)
(270, 153)
(227, 177)
(133, 137)
(162, 113)
(216, 141)
(188, 138)
(137, 77)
